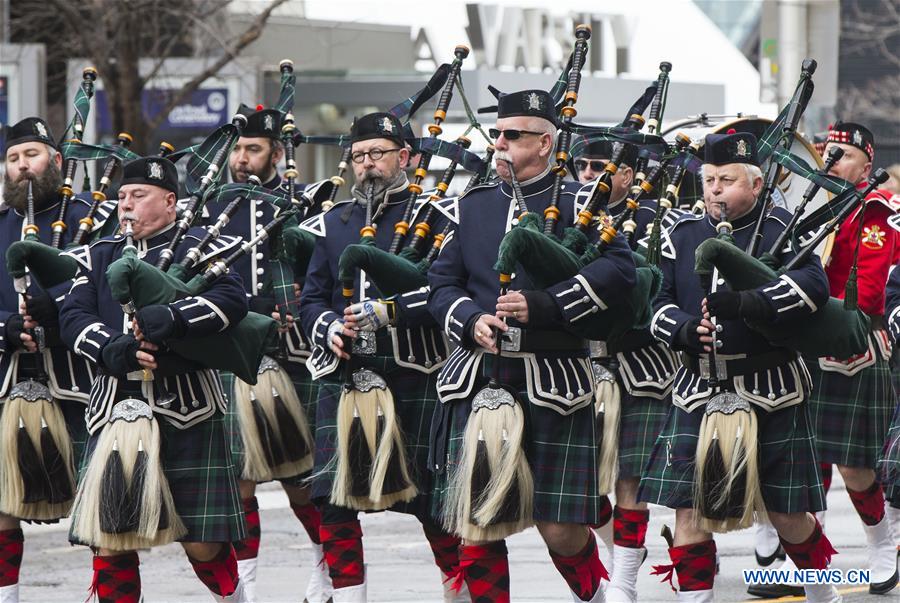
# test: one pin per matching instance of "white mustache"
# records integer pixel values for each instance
(502, 156)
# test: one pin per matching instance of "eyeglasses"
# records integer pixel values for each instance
(596, 166)
(374, 154)
(511, 134)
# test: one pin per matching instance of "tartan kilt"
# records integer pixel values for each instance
(203, 480)
(561, 450)
(889, 460)
(640, 420)
(851, 415)
(895, 370)
(73, 412)
(415, 398)
(307, 392)
(790, 476)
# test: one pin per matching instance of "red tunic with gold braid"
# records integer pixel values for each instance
(879, 249)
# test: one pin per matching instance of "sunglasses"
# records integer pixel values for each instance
(511, 134)
(596, 166)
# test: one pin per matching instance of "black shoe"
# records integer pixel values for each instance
(767, 561)
(775, 591)
(882, 588)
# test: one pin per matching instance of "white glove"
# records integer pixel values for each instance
(372, 315)
(335, 329)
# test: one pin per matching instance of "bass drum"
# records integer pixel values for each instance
(791, 187)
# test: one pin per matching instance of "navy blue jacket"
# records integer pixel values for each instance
(795, 294)
(69, 377)
(464, 285)
(417, 341)
(91, 318)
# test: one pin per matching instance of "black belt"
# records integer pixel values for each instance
(738, 367)
(517, 339)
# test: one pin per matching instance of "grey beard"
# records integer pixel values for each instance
(45, 187)
(382, 186)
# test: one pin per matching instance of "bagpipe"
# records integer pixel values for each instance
(548, 260)
(37, 471)
(838, 328)
(136, 284)
(399, 270)
(82, 105)
(371, 469)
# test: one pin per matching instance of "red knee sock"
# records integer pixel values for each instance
(219, 574)
(248, 548)
(826, 476)
(12, 542)
(117, 578)
(630, 527)
(445, 548)
(582, 571)
(869, 503)
(605, 513)
(485, 570)
(342, 546)
(813, 553)
(311, 519)
(695, 565)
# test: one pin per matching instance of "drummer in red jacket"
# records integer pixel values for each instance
(852, 399)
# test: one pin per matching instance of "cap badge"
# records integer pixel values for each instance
(268, 123)
(857, 137)
(387, 126)
(741, 150)
(154, 170)
(40, 129)
(534, 102)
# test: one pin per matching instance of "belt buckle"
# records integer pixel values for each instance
(721, 368)
(364, 343)
(511, 340)
(598, 349)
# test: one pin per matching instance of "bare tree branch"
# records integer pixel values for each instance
(250, 35)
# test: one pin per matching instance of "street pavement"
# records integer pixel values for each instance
(400, 565)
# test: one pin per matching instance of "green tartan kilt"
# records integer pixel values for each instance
(307, 392)
(889, 460)
(561, 450)
(851, 415)
(415, 398)
(202, 478)
(641, 419)
(789, 472)
(73, 413)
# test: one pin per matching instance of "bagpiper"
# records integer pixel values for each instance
(33, 359)
(853, 399)
(643, 370)
(546, 453)
(733, 379)
(392, 362)
(157, 468)
(258, 152)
